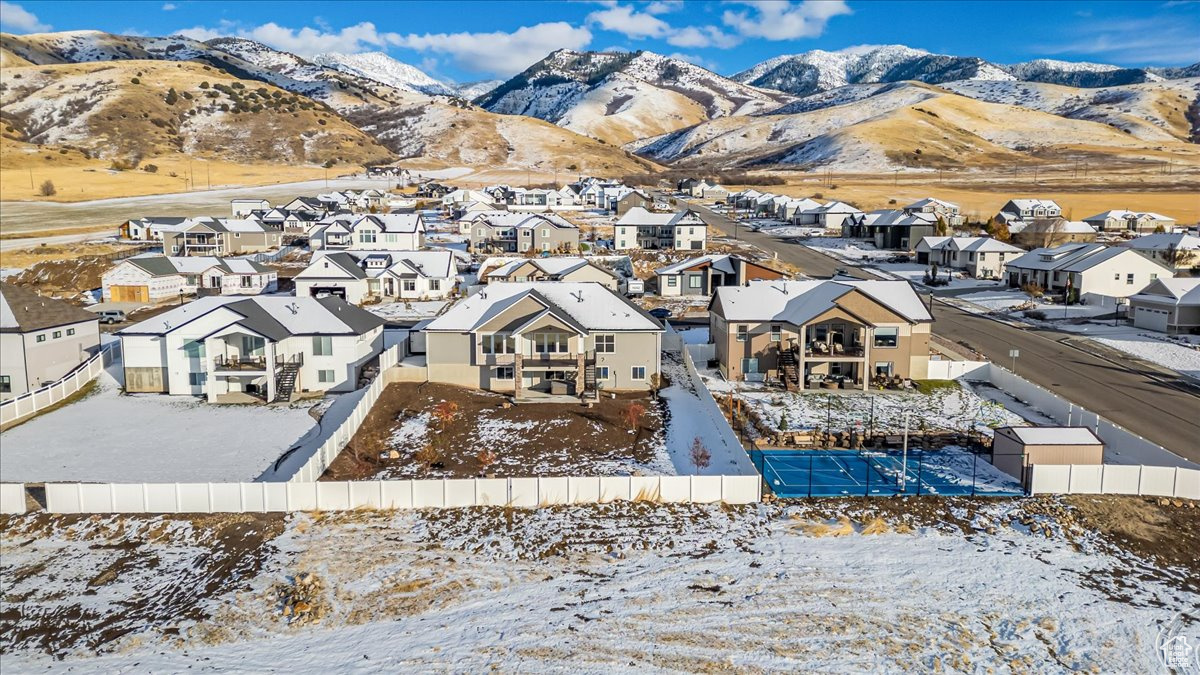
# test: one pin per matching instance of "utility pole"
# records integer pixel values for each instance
(30, 178)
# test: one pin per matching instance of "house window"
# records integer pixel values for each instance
(435, 284)
(498, 343)
(246, 281)
(883, 368)
(606, 344)
(749, 366)
(742, 331)
(5, 384)
(601, 372)
(887, 337)
(672, 281)
(325, 376)
(638, 373)
(504, 373)
(194, 349)
(410, 284)
(551, 343)
(367, 237)
(1129, 279)
(40, 338)
(1153, 277)
(694, 281)
(197, 379)
(71, 331)
(776, 333)
(1116, 276)
(322, 345)
(58, 333)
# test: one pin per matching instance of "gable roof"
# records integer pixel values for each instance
(161, 265)
(1030, 203)
(931, 201)
(589, 304)
(640, 216)
(433, 264)
(1184, 291)
(23, 311)
(1054, 435)
(796, 302)
(275, 317)
(1163, 241)
(720, 262)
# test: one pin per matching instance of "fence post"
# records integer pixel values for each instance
(810, 469)
(920, 470)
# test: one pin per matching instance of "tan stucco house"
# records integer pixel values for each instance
(814, 334)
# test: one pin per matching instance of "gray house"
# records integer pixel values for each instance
(41, 339)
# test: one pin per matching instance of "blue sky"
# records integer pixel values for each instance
(465, 41)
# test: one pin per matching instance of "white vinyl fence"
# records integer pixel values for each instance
(12, 498)
(392, 494)
(1114, 479)
(952, 370)
(31, 402)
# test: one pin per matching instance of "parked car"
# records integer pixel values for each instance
(112, 316)
(661, 313)
(898, 259)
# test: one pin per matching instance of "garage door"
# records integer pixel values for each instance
(130, 293)
(1150, 319)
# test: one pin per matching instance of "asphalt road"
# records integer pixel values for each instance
(1159, 408)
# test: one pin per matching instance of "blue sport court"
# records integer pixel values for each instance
(849, 473)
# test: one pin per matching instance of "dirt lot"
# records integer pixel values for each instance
(535, 439)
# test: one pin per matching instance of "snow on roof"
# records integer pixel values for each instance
(296, 316)
(161, 265)
(1055, 435)
(1051, 258)
(406, 223)
(894, 218)
(1088, 262)
(589, 304)
(434, 264)
(797, 302)
(518, 220)
(1125, 213)
(553, 265)
(931, 201)
(982, 244)
(1164, 241)
(640, 216)
(1184, 292)
(722, 263)
(1029, 203)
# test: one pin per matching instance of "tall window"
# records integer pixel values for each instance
(1129, 279)
(606, 344)
(322, 345)
(367, 236)
(5, 384)
(498, 343)
(694, 280)
(435, 284)
(776, 333)
(551, 343)
(887, 336)
(742, 332)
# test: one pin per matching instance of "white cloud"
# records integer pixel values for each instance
(630, 23)
(773, 20)
(170, 7)
(703, 36)
(663, 6)
(1157, 41)
(692, 58)
(499, 53)
(17, 18)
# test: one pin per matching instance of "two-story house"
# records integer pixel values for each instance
(41, 339)
(158, 278)
(557, 337)
(1122, 220)
(821, 334)
(506, 232)
(891, 228)
(1025, 210)
(1178, 251)
(642, 229)
(220, 237)
(947, 211)
(980, 257)
(264, 348)
(374, 232)
(356, 276)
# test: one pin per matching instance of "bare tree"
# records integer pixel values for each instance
(701, 457)
(48, 189)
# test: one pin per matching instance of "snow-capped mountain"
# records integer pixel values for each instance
(473, 90)
(817, 71)
(624, 96)
(385, 70)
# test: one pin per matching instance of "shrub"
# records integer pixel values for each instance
(428, 455)
(204, 85)
(486, 458)
(444, 413)
(701, 457)
(632, 415)
(136, 81)
(322, 122)
(48, 189)
(172, 96)
(150, 168)
(1034, 290)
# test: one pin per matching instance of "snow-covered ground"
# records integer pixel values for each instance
(848, 250)
(110, 437)
(623, 587)
(915, 273)
(785, 231)
(956, 409)
(694, 336)
(1019, 304)
(691, 418)
(398, 311)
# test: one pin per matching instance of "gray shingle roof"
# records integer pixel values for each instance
(22, 311)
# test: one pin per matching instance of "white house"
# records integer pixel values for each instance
(356, 276)
(639, 228)
(981, 257)
(1087, 272)
(1179, 251)
(267, 348)
(158, 278)
(375, 232)
(1122, 220)
(1168, 306)
(1024, 210)
(947, 211)
(241, 208)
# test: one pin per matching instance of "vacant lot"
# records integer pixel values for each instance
(534, 439)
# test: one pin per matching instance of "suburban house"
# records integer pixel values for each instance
(265, 348)
(980, 257)
(635, 198)
(821, 334)
(712, 191)
(1168, 306)
(220, 237)
(41, 339)
(1122, 220)
(506, 232)
(461, 211)
(937, 208)
(1020, 211)
(553, 337)
(787, 208)
(557, 268)
(310, 204)
(291, 222)
(891, 229)
(1179, 251)
(151, 228)
(159, 278)
(1051, 232)
(1082, 270)
(704, 274)
(1015, 449)
(832, 216)
(375, 232)
(639, 228)
(357, 276)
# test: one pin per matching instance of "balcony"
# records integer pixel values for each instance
(822, 350)
(549, 359)
(240, 364)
